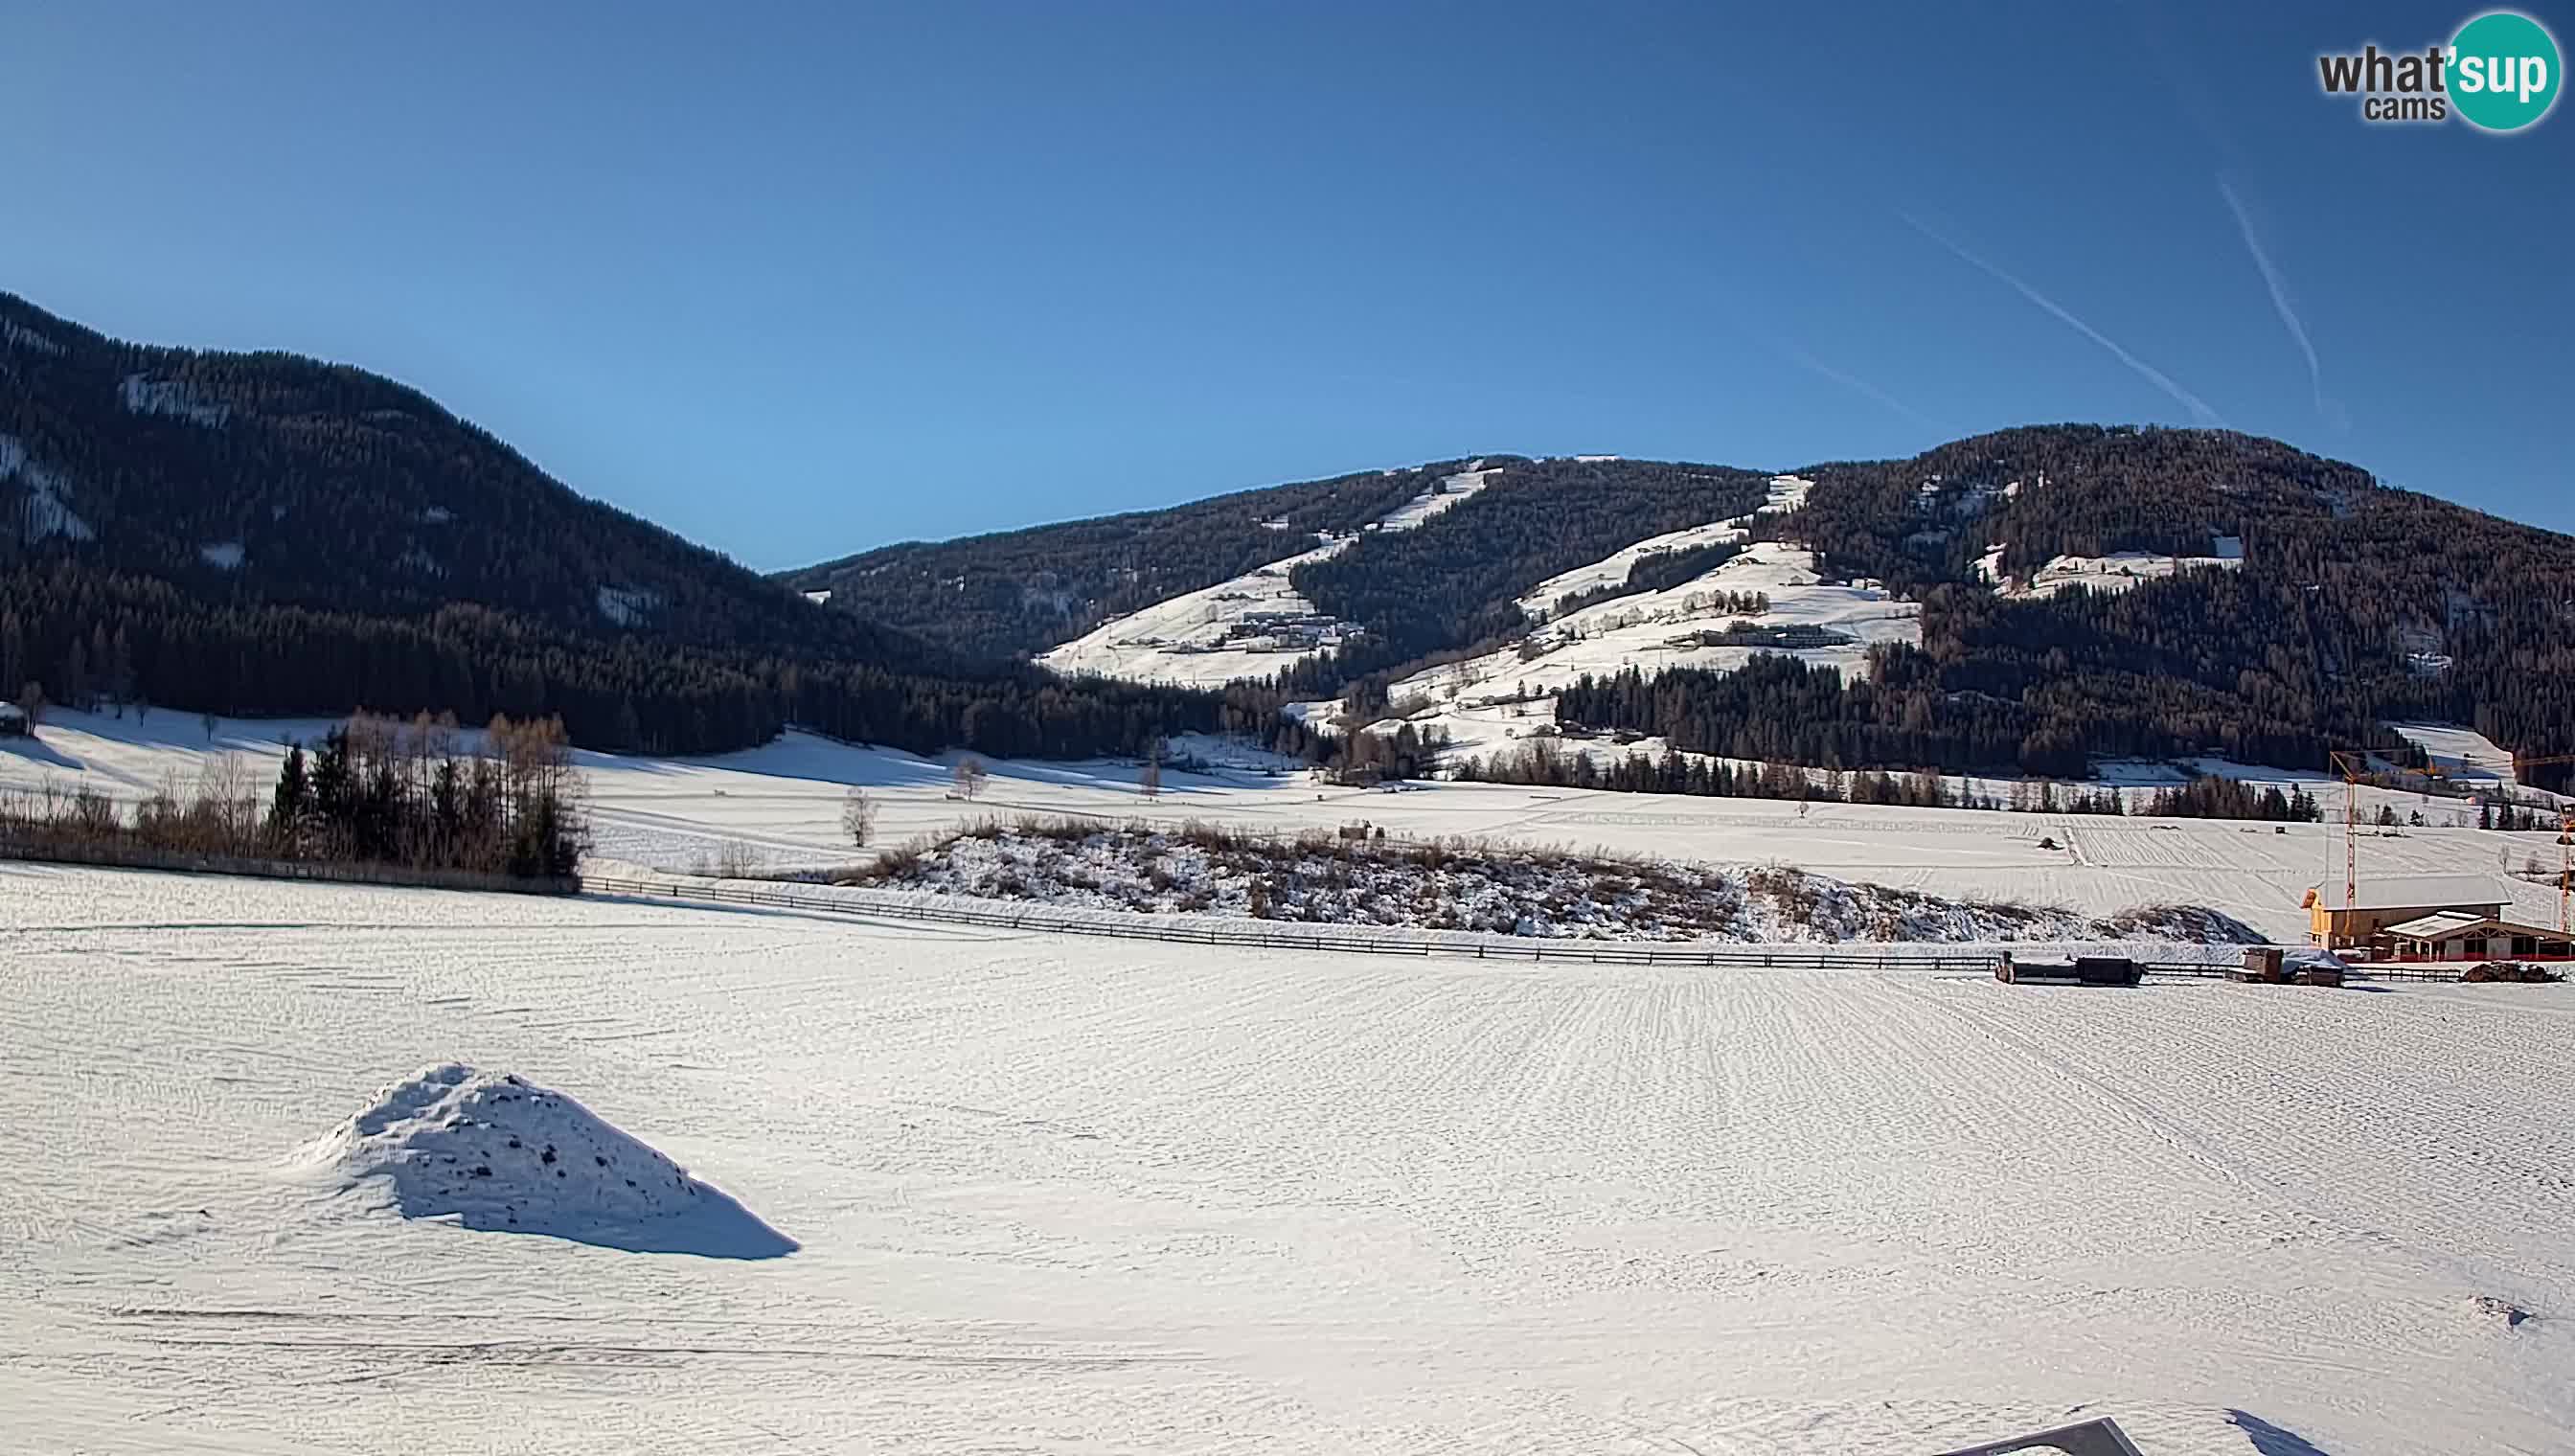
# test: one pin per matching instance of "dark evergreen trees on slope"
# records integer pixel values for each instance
(261, 534)
(1454, 580)
(2355, 605)
(1018, 592)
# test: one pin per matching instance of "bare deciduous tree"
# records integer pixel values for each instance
(971, 774)
(858, 817)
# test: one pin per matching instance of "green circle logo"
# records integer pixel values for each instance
(2504, 71)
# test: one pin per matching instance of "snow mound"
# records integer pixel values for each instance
(495, 1152)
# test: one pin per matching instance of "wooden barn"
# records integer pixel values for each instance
(2382, 902)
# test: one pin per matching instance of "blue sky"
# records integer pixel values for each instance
(799, 278)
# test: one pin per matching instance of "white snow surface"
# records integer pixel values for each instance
(628, 605)
(1451, 491)
(144, 395)
(2463, 754)
(1249, 626)
(1063, 1194)
(495, 1152)
(221, 555)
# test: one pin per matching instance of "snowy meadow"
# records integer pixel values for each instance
(1013, 1193)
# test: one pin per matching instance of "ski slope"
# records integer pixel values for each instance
(1787, 492)
(1830, 623)
(1103, 1196)
(1250, 626)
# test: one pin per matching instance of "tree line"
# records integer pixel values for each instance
(372, 791)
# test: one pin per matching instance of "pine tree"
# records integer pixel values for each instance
(292, 806)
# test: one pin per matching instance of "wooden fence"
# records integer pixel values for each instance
(143, 857)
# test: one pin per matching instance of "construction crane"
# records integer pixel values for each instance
(2510, 770)
(2354, 766)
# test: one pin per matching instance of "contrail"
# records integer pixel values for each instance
(1805, 361)
(2199, 407)
(2280, 292)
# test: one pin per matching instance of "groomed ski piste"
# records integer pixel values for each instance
(983, 1190)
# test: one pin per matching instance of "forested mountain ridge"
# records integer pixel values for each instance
(262, 533)
(2340, 604)
(2311, 604)
(1017, 593)
(274, 478)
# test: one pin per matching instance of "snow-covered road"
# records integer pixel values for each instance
(1112, 1196)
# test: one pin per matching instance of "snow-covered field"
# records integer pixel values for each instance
(779, 807)
(1095, 1197)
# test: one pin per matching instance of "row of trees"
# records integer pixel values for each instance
(90, 637)
(2210, 798)
(1546, 761)
(375, 791)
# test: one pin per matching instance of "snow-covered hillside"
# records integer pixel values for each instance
(1063, 1194)
(1787, 492)
(1704, 623)
(2118, 571)
(1250, 627)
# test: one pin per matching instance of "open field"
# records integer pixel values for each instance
(1110, 1196)
(782, 803)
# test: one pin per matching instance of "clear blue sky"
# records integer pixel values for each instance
(799, 278)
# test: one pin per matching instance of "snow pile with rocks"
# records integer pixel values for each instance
(1332, 880)
(494, 1152)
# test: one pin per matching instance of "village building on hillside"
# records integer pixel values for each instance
(2380, 904)
(13, 722)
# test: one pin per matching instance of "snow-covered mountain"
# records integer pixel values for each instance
(2025, 602)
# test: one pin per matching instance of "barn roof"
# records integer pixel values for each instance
(2446, 923)
(2416, 891)
(2437, 926)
